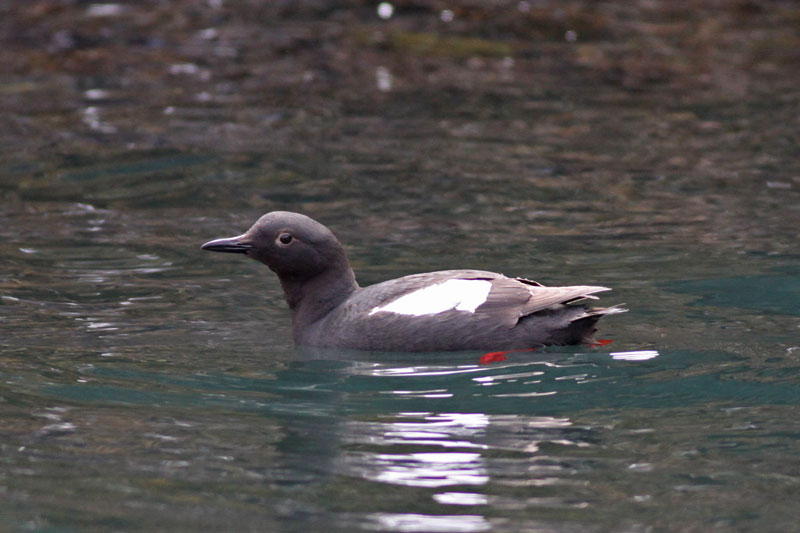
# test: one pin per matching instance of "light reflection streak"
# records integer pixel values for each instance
(511, 377)
(408, 522)
(447, 431)
(440, 393)
(380, 370)
(461, 498)
(448, 450)
(640, 355)
(441, 443)
(452, 450)
(432, 469)
(383, 79)
(426, 370)
(525, 394)
(574, 377)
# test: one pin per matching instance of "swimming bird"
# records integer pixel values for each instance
(447, 310)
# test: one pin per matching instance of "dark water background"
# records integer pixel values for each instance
(648, 146)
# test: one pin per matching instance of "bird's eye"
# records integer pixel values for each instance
(285, 238)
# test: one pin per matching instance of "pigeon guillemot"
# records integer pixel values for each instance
(436, 311)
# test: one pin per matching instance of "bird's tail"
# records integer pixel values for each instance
(590, 317)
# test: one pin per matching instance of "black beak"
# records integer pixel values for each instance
(230, 245)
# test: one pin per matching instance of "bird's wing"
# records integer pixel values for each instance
(507, 300)
(510, 299)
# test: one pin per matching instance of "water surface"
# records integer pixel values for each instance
(146, 385)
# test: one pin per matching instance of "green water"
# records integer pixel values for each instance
(147, 385)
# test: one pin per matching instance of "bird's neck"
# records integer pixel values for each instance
(311, 299)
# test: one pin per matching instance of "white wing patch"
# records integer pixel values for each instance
(458, 294)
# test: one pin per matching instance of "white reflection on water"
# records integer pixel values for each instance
(525, 394)
(433, 393)
(641, 355)
(451, 451)
(429, 469)
(419, 522)
(424, 370)
(383, 79)
(425, 468)
(91, 117)
(448, 449)
(461, 498)
(385, 10)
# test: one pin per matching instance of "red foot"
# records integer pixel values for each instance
(496, 357)
(492, 357)
(601, 342)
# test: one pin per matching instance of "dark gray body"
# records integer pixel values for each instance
(330, 310)
(517, 314)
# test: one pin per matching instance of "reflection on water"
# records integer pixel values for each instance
(428, 469)
(418, 522)
(639, 355)
(458, 436)
(461, 498)
(422, 469)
